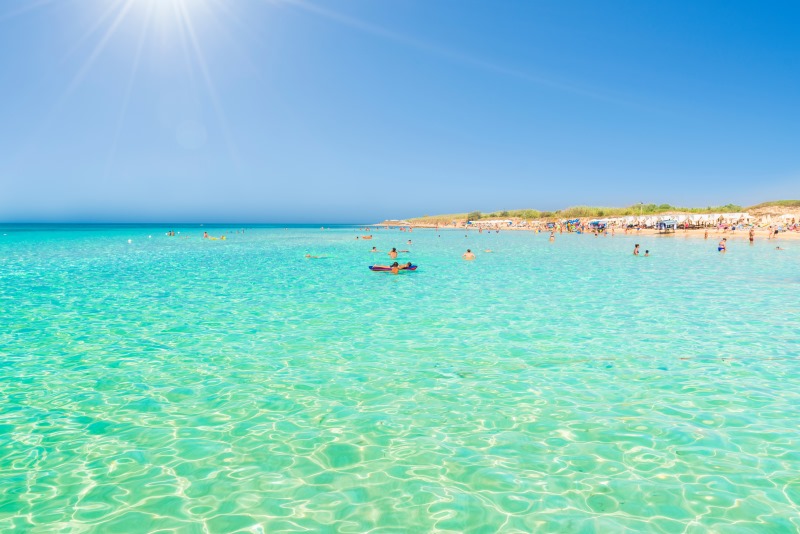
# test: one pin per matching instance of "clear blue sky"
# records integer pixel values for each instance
(356, 110)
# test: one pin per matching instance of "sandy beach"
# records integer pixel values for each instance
(695, 233)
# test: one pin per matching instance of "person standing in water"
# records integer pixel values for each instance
(752, 235)
(393, 253)
(636, 249)
(468, 255)
(722, 247)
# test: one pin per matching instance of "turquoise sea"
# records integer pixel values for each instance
(175, 384)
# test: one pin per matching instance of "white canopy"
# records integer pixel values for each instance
(493, 221)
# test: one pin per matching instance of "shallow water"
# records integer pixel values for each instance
(175, 383)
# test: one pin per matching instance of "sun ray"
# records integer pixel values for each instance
(105, 15)
(185, 48)
(224, 8)
(98, 49)
(129, 87)
(452, 55)
(201, 63)
(73, 85)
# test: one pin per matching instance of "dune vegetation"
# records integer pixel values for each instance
(595, 211)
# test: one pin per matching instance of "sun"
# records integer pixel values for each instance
(172, 32)
(170, 15)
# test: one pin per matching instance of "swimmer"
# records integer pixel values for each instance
(374, 249)
(468, 255)
(646, 253)
(488, 251)
(779, 248)
(636, 249)
(722, 247)
(205, 235)
(393, 253)
(408, 242)
(310, 257)
(395, 268)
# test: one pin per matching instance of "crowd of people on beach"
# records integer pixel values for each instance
(723, 222)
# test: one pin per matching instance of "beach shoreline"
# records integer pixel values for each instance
(761, 234)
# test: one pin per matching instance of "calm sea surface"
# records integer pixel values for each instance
(189, 385)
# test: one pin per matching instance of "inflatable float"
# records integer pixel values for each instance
(387, 268)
